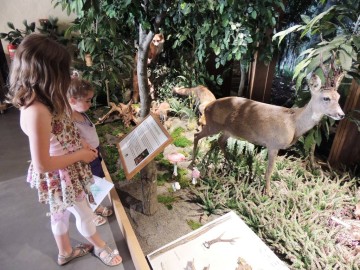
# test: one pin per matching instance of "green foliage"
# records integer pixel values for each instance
(230, 33)
(183, 178)
(193, 224)
(182, 142)
(107, 29)
(106, 39)
(50, 28)
(166, 200)
(179, 140)
(118, 176)
(163, 178)
(182, 108)
(295, 221)
(338, 28)
(15, 35)
(111, 156)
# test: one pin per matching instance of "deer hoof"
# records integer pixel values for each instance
(267, 192)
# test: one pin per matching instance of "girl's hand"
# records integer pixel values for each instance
(88, 155)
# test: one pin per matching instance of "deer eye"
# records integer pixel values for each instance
(326, 99)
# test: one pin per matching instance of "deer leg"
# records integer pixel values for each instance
(222, 143)
(205, 131)
(272, 153)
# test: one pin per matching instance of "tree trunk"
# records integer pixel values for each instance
(149, 189)
(144, 91)
(148, 173)
(242, 80)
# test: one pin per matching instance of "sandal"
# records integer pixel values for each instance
(99, 220)
(106, 255)
(82, 249)
(105, 212)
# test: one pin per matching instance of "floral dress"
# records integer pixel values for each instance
(63, 187)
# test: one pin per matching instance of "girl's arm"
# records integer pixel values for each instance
(36, 123)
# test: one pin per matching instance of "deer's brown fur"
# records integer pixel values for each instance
(201, 94)
(268, 125)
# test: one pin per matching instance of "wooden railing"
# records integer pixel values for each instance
(136, 252)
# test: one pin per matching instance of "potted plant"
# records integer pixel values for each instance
(15, 36)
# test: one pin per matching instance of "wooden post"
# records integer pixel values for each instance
(346, 147)
(260, 79)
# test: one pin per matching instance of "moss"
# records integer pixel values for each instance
(104, 129)
(182, 142)
(119, 176)
(179, 140)
(183, 178)
(177, 132)
(193, 224)
(163, 178)
(166, 200)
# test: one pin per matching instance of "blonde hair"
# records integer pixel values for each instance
(40, 71)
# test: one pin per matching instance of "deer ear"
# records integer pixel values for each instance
(315, 83)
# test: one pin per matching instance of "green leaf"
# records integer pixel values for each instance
(299, 80)
(281, 4)
(315, 61)
(345, 60)
(282, 34)
(254, 14)
(315, 20)
(308, 51)
(217, 50)
(306, 19)
(356, 41)
(309, 141)
(317, 136)
(301, 66)
(11, 25)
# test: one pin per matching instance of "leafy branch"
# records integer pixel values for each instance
(337, 29)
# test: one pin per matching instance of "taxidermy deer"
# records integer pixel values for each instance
(271, 126)
(202, 96)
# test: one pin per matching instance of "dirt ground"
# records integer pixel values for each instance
(165, 225)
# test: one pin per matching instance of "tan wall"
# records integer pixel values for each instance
(16, 11)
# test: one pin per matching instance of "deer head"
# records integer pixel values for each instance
(325, 99)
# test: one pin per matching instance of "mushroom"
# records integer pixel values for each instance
(195, 174)
(176, 186)
(174, 158)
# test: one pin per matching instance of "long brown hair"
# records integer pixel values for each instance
(40, 71)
